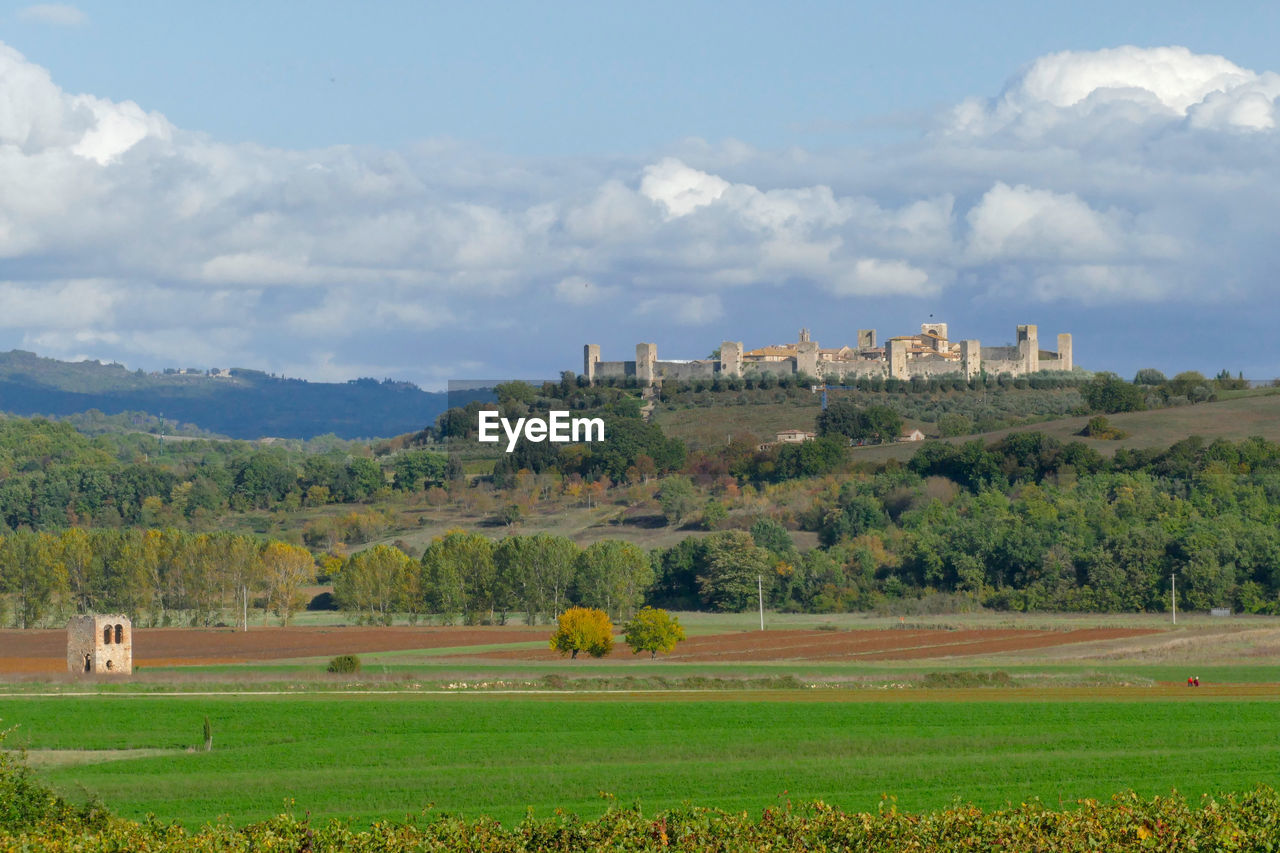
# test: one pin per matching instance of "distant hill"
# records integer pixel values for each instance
(238, 403)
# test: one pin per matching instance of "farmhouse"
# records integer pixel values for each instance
(927, 354)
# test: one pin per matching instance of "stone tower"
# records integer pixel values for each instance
(1064, 351)
(970, 358)
(101, 645)
(590, 358)
(646, 363)
(939, 329)
(1029, 348)
(807, 355)
(896, 352)
(731, 358)
(866, 339)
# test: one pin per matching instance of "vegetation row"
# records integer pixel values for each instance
(34, 818)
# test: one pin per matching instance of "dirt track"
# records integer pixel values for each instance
(44, 651)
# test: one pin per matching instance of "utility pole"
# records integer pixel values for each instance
(244, 598)
(760, 593)
(1173, 590)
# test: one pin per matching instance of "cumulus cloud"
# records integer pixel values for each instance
(1122, 176)
(57, 14)
(1162, 84)
(1021, 222)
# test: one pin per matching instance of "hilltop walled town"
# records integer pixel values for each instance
(929, 353)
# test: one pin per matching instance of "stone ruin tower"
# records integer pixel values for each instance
(101, 645)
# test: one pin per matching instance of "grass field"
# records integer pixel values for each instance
(387, 757)
(1234, 419)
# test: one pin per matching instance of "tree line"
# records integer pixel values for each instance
(468, 577)
(157, 577)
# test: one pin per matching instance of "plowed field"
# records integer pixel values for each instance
(805, 645)
(44, 651)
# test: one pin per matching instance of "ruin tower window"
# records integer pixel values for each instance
(88, 664)
(109, 664)
(119, 633)
(106, 635)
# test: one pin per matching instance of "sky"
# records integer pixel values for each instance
(439, 192)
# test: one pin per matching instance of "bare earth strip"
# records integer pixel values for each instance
(24, 652)
(809, 645)
(45, 651)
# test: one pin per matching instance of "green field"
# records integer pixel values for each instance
(390, 756)
(1234, 419)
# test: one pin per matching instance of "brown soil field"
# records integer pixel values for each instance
(812, 645)
(46, 651)
(24, 652)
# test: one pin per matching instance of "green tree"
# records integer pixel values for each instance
(1182, 384)
(872, 424)
(953, 423)
(614, 576)
(676, 497)
(459, 577)
(653, 631)
(734, 562)
(1108, 393)
(582, 629)
(538, 570)
(713, 514)
(772, 536)
(377, 582)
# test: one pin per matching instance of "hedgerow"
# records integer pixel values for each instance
(34, 819)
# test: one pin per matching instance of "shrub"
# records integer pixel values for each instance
(961, 678)
(1100, 427)
(344, 664)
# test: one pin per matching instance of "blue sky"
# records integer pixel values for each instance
(440, 191)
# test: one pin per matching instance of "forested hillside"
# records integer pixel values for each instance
(245, 404)
(428, 526)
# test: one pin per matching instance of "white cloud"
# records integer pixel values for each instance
(682, 309)
(57, 14)
(58, 305)
(679, 188)
(871, 276)
(1112, 177)
(1126, 83)
(1021, 222)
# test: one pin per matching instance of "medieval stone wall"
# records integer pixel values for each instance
(899, 360)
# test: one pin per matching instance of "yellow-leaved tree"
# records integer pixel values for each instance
(583, 629)
(286, 570)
